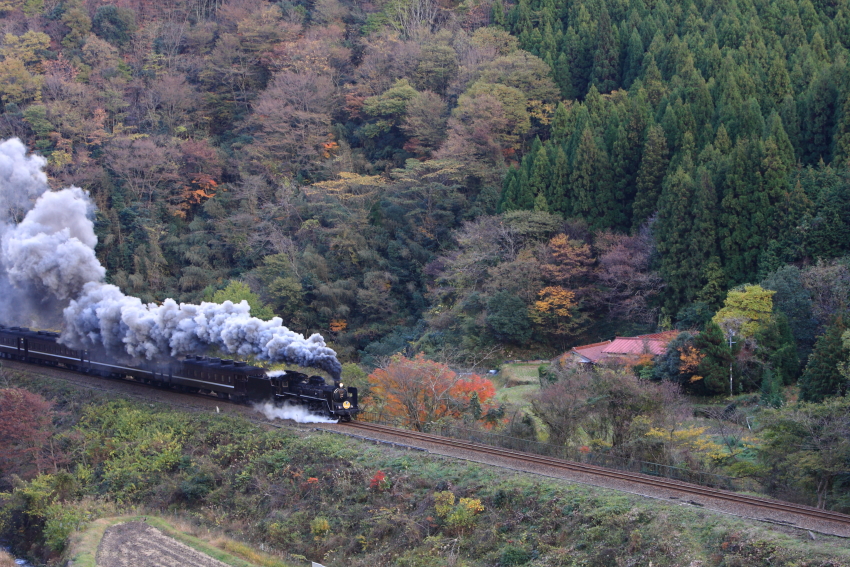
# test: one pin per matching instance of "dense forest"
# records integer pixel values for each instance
(463, 178)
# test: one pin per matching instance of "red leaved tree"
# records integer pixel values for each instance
(422, 391)
(26, 426)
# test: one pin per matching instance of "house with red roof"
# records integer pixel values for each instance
(622, 349)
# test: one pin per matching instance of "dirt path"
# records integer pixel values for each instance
(136, 544)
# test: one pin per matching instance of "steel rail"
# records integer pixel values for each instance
(648, 480)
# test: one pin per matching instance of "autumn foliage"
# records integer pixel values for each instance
(422, 391)
(26, 426)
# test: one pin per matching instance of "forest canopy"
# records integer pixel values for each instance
(455, 177)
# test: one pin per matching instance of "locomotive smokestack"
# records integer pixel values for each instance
(50, 253)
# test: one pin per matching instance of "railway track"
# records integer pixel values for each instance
(758, 508)
(780, 512)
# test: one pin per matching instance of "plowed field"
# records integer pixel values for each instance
(136, 544)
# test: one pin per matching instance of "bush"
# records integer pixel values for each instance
(320, 527)
(512, 555)
(197, 486)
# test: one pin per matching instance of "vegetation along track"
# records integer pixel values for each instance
(785, 513)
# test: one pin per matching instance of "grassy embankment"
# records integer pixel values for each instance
(317, 495)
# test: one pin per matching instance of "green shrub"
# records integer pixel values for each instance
(512, 555)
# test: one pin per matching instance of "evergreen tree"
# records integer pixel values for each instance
(828, 233)
(562, 123)
(563, 76)
(559, 182)
(498, 14)
(673, 237)
(778, 82)
(606, 59)
(591, 185)
(794, 301)
(770, 392)
(539, 178)
(717, 358)
(703, 249)
(653, 167)
(776, 131)
(842, 134)
(822, 377)
(508, 200)
(820, 104)
(746, 214)
(634, 58)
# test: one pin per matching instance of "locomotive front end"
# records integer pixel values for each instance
(344, 402)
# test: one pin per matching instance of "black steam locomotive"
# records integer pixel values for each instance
(227, 379)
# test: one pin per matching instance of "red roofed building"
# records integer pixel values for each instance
(623, 349)
(589, 353)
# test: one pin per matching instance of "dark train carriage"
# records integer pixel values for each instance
(41, 347)
(228, 379)
(224, 377)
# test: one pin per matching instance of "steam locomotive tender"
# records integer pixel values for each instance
(227, 379)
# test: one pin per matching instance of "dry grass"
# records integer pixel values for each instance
(6, 560)
(519, 374)
(212, 543)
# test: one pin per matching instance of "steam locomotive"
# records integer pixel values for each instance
(227, 379)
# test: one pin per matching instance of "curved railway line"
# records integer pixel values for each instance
(786, 513)
(744, 505)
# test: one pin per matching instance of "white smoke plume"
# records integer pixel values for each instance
(298, 414)
(52, 249)
(21, 182)
(50, 255)
(104, 317)
(21, 179)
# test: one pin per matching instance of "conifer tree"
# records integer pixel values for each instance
(498, 14)
(559, 182)
(820, 104)
(579, 64)
(591, 185)
(746, 214)
(673, 233)
(606, 59)
(624, 169)
(634, 58)
(842, 133)
(562, 123)
(508, 200)
(703, 249)
(653, 167)
(778, 82)
(770, 392)
(652, 81)
(716, 361)
(540, 177)
(822, 377)
(775, 130)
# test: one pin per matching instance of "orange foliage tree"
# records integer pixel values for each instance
(556, 310)
(422, 391)
(26, 429)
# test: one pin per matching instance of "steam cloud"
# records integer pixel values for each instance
(50, 254)
(298, 414)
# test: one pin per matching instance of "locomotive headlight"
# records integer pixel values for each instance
(346, 404)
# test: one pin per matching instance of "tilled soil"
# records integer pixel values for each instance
(136, 544)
